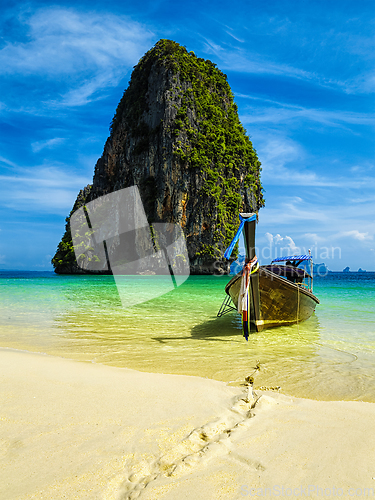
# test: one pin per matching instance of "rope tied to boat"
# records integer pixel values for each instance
(249, 268)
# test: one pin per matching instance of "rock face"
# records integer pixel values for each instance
(177, 136)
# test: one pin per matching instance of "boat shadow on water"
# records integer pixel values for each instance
(220, 329)
(216, 329)
(229, 328)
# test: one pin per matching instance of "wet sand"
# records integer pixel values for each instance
(78, 430)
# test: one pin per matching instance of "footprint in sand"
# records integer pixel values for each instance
(204, 443)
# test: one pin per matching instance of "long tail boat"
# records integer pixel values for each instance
(271, 295)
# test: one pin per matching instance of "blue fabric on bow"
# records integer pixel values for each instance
(229, 250)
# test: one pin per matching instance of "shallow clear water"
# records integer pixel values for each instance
(329, 356)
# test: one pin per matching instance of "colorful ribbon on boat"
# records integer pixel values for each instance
(243, 298)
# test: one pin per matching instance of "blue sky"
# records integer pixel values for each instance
(303, 77)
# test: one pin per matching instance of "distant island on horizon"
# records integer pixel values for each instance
(347, 270)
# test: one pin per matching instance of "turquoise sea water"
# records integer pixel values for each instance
(330, 356)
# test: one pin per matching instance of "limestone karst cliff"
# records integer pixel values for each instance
(177, 136)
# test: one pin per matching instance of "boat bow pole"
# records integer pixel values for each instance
(248, 301)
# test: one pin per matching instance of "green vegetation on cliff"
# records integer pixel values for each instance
(215, 143)
(64, 260)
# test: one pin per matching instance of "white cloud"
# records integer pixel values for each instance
(47, 144)
(279, 154)
(277, 238)
(241, 60)
(276, 153)
(7, 162)
(326, 225)
(281, 112)
(285, 243)
(313, 237)
(355, 234)
(269, 238)
(291, 245)
(302, 49)
(294, 214)
(241, 40)
(85, 93)
(65, 41)
(237, 59)
(363, 199)
(50, 189)
(86, 51)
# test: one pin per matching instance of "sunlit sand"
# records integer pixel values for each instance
(84, 431)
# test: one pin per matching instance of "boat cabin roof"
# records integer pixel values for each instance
(292, 258)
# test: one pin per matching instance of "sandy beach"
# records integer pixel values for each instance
(73, 430)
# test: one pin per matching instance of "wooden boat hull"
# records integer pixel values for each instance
(281, 302)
